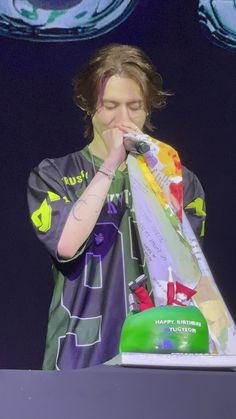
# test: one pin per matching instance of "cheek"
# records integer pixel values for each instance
(104, 116)
(101, 120)
(139, 119)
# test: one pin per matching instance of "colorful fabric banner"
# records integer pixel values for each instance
(169, 241)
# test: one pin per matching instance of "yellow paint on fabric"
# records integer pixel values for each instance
(170, 159)
(152, 181)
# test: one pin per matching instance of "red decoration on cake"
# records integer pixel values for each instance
(177, 293)
(145, 301)
(141, 299)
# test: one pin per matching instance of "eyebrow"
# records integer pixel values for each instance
(116, 103)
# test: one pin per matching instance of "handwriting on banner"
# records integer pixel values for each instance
(152, 239)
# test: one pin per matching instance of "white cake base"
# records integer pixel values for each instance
(199, 361)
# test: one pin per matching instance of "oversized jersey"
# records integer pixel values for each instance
(90, 298)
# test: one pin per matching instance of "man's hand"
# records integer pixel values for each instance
(113, 140)
(127, 127)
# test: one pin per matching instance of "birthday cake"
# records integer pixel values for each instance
(165, 329)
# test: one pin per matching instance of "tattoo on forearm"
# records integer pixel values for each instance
(75, 207)
(84, 202)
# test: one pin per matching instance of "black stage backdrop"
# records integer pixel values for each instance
(38, 120)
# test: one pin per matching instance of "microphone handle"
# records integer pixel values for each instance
(142, 147)
(135, 146)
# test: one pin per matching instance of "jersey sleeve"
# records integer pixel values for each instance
(49, 205)
(194, 203)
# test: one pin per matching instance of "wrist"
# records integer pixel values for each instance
(107, 172)
(112, 162)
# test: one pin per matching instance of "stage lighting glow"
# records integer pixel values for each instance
(218, 20)
(62, 20)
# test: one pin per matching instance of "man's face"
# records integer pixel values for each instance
(120, 101)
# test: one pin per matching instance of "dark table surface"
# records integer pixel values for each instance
(118, 392)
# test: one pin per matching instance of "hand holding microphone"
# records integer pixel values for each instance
(136, 143)
(122, 139)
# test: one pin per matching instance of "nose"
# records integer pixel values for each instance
(122, 114)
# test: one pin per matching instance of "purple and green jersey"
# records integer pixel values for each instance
(90, 298)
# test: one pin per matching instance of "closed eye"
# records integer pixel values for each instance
(135, 106)
(108, 104)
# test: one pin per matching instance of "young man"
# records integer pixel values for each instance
(81, 209)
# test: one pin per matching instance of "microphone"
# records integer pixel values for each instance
(136, 143)
(142, 147)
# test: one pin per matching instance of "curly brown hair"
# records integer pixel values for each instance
(125, 61)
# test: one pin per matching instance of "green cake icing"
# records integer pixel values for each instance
(165, 329)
